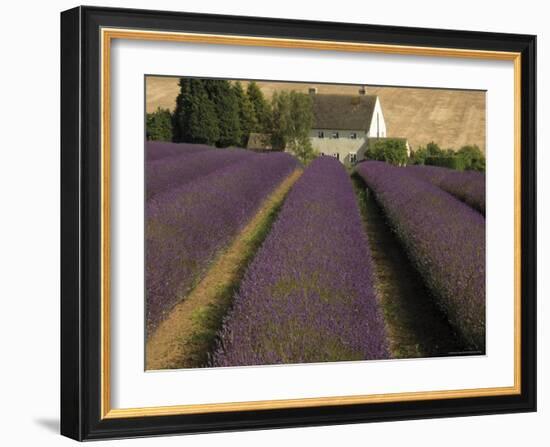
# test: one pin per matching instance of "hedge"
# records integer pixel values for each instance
(452, 162)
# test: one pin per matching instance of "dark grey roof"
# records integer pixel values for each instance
(346, 112)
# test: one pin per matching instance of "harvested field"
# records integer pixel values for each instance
(451, 118)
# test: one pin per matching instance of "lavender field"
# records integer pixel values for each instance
(156, 150)
(168, 172)
(255, 259)
(189, 222)
(468, 186)
(309, 294)
(444, 238)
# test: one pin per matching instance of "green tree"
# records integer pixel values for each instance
(419, 156)
(433, 150)
(226, 105)
(181, 112)
(247, 115)
(473, 158)
(447, 161)
(468, 157)
(292, 119)
(195, 119)
(261, 108)
(159, 125)
(390, 150)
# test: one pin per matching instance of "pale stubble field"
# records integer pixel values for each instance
(450, 118)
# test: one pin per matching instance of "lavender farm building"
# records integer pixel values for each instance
(344, 125)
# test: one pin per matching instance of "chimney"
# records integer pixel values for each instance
(313, 91)
(363, 90)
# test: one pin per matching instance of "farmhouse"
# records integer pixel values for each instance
(345, 124)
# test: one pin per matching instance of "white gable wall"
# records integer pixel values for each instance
(378, 124)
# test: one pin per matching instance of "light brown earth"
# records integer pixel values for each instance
(186, 335)
(451, 118)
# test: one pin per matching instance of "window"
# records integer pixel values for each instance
(352, 157)
(321, 134)
(337, 156)
(353, 135)
(335, 135)
(322, 153)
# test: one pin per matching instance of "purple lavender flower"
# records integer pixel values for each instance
(468, 186)
(187, 224)
(444, 238)
(155, 150)
(166, 173)
(308, 295)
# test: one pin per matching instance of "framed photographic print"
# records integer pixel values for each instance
(276, 223)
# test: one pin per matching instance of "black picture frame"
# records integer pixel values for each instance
(81, 209)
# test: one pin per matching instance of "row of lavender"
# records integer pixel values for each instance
(445, 239)
(175, 170)
(156, 150)
(468, 186)
(197, 213)
(308, 295)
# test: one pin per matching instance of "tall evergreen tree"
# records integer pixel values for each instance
(203, 120)
(226, 106)
(180, 117)
(247, 116)
(195, 117)
(261, 107)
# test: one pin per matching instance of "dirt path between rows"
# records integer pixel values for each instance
(416, 327)
(185, 337)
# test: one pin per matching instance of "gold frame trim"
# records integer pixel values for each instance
(107, 35)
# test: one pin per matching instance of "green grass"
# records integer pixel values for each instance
(415, 325)
(210, 318)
